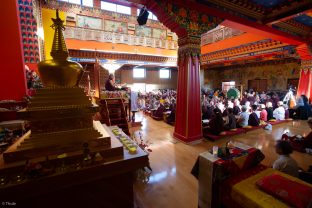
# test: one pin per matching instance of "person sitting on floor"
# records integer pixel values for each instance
(285, 163)
(303, 110)
(263, 113)
(253, 118)
(236, 108)
(231, 120)
(279, 112)
(300, 143)
(216, 124)
(243, 118)
(269, 109)
(159, 112)
(286, 111)
(258, 111)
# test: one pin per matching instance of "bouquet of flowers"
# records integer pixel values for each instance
(144, 145)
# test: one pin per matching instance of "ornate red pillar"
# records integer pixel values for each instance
(12, 77)
(305, 81)
(188, 113)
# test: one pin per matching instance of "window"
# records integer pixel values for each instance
(108, 6)
(164, 73)
(123, 9)
(138, 73)
(150, 16)
(75, 1)
(88, 3)
(138, 87)
(115, 8)
(227, 85)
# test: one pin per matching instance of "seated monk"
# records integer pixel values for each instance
(171, 117)
(236, 110)
(110, 83)
(216, 124)
(232, 120)
(253, 118)
(159, 112)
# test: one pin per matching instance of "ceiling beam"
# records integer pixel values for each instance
(289, 15)
(235, 21)
(264, 31)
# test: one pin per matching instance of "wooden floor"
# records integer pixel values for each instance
(171, 184)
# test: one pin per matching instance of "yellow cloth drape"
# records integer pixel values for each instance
(247, 194)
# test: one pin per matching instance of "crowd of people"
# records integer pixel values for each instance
(253, 109)
(158, 102)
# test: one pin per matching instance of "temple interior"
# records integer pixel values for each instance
(154, 103)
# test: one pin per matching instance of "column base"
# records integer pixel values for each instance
(188, 140)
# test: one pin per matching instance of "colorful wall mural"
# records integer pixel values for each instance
(89, 22)
(277, 75)
(143, 31)
(117, 27)
(160, 34)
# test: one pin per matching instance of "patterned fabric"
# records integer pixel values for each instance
(291, 192)
(247, 194)
(240, 161)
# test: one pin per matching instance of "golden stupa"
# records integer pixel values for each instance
(60, 115)
(59, 72)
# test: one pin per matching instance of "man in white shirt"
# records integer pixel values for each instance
(243, 117)
(279, 112)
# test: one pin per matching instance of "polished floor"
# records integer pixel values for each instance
(171, 183)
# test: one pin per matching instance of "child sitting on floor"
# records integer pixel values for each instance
(285, 163)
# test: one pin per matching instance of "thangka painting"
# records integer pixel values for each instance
(143, 31)
(117, 27)
(160, 34)
(89, 22)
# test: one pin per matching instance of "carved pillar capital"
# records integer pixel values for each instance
(189, 45)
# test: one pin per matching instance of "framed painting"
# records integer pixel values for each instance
(131, 26)
(143, 31)
(89, 22)
(160, 34)
(169, 33)
(117, 27)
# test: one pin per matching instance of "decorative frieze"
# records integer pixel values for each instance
(111, 37)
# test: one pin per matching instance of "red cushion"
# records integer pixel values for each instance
(291, 192)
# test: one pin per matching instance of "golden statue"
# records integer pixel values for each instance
(59, 72)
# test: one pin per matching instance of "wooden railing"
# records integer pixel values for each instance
(111, 37)
(219, 34)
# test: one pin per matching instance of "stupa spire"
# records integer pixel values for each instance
(59, 49)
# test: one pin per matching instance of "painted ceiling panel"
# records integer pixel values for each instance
(269, 3)
(305, 19)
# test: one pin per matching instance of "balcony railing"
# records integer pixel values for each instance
(218, 35)
(111, 37)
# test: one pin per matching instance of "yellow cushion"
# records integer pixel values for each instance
(247, 194)
(273, 120)
(233, 129)
(247, 127)
(223, 133)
